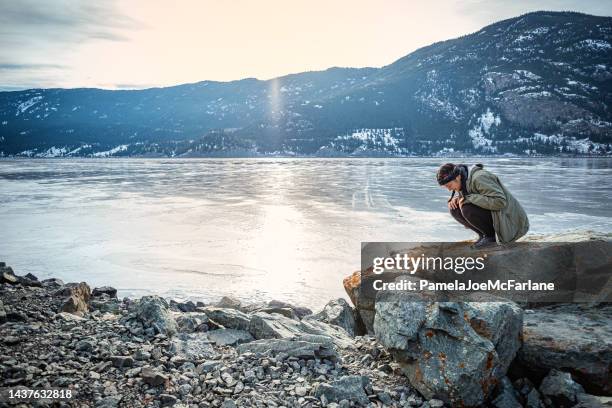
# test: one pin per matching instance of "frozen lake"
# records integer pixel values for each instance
(260, 229)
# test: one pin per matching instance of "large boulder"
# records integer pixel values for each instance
(572, 338)
(77, 301)
(339, 313)
(456, 352)
(579, 262)
(152, 311)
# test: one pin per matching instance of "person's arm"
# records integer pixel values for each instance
(489, 195)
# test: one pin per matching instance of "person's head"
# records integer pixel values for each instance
(449, 177)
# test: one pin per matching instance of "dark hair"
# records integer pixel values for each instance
(446, 173)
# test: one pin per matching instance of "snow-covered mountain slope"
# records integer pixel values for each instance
(540, 83)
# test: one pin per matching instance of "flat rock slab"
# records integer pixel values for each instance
(300, 347)
(350, 388)
(571, 338)
(228, 318)
(229, 337)
(191, 346)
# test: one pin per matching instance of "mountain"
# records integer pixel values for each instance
(540, 83)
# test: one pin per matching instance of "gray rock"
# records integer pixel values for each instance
(593, 401)
(506, 396)
(167, 400)
(111, 401)
(228, 403)
(192, 322)
(561, 388)
(30, 276)
(229, 302)
(299, 311)
(104, 290)
(455, 352)
(191, 346)
(572, 338)
(106, 305)
(351, 388)
(84, 345)
(152, 377)
(533, 399)
(152, 312)
(122, 361)
(187, 306)
(142, 355)
(285, 311)
(306, 346)
(336, 334)
(229, 337)
(208, 367)
(339, 313)
(273, 326)
(16, 316)
(52, 283)
(228, 318)
(2, 313)
(435, 403)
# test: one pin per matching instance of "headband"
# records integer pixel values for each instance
(449, 177)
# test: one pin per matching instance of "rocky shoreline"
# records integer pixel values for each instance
(153, 352)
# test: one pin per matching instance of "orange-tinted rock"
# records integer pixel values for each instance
(78, 299)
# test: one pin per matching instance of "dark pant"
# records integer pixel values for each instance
(475, 218)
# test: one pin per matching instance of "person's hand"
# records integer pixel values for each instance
(454, 203)
(461, 202)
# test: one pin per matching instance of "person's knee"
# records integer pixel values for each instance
(455, 212)
(470, 212)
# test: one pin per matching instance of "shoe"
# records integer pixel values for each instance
(485, 242)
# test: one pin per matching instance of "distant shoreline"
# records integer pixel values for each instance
(312, 157)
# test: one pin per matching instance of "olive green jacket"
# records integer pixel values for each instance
(487, 191)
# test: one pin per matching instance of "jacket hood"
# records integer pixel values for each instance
(476, 167)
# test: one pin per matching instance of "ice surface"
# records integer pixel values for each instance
(287, 229)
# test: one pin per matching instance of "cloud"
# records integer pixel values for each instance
(28, 67)
(38, 38)
(67, 20)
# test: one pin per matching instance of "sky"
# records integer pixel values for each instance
(134, 44)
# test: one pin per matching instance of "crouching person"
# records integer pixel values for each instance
(483, 204)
